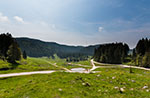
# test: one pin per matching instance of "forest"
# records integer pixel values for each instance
(113, 53)
(38, 48)
(141, 54)
(116, 53)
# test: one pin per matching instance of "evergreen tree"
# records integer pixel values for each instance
(14, 53)
(24, 55)
(5, 41)
(146, 60)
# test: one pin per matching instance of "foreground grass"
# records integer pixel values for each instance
(105, 84)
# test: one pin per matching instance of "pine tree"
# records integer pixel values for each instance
(146, 60)
(14, 53)
(24, 55)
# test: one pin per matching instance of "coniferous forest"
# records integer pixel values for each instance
(116, 53)
(141, 54)
(111, 53)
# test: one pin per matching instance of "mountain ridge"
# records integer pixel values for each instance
(39, 48)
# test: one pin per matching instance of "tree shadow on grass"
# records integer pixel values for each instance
(3, 69)
(12, 66)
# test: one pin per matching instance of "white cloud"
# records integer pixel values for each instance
(100, 29)
(19, 19)
(3, 18)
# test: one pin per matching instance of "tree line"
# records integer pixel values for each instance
(77, 58)
(116, 53)
(9, 48)
(141, 54)
(111, 53)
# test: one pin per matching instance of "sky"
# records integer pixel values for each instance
(77, 22)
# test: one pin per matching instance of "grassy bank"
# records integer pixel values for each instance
(31, 64)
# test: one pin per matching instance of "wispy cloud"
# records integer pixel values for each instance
(19, 19)
(70, 22)
(3, 18)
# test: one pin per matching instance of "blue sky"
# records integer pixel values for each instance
(77, 22)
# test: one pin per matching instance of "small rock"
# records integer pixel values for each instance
(60, 89)
(113, 77)
(122, 90)
(145, 87)
(86, 84)
(116, 87)
(99, 90)
(83, 83)
(98, 75)
(131, 89)
(124, 87)
(147, 90)
(133, 81)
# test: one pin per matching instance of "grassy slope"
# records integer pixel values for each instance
(75, 85)
(31, 64)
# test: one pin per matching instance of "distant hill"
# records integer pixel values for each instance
(38, 48)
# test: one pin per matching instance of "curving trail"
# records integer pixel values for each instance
(70, 71)
(120, 65)
(25, 73)
(45, 72)
(93, 65)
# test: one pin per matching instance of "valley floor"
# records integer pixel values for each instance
(100, 81)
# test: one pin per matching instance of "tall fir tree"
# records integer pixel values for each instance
(14, 53)
(24, 55)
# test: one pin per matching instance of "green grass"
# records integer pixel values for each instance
(104, 65)
(84, 62)
(62, 63)
(75, 85)
(39, 64)
(31, 64)
(105, 84)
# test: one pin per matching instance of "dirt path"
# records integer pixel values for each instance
(25, 73)
(67, 70)
(120, 65)
(48, 72)
(93, 65)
